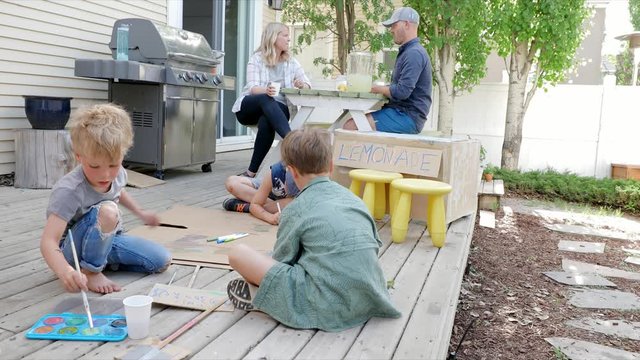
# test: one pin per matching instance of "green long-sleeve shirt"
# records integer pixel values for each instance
(327, 276)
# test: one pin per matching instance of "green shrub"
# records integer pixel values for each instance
(614, 194)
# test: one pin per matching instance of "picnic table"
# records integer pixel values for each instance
(313, 103)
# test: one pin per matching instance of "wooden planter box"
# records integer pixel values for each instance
(625, 171)
(455, 161)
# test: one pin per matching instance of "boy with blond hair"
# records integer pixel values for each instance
(324, 273)
(85, 202)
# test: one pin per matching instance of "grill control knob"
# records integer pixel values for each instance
(216, 80)
(199, 78)
(205, 78)
(187, 76)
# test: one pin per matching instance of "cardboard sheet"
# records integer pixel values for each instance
(138, 180)
(191, 244)
(199, 299)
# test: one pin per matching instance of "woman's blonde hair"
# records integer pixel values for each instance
(102, 130)
(308, 150)
(270, 55)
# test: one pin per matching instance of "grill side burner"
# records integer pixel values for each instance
(171, 88)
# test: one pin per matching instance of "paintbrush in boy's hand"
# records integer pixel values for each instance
(85, 301)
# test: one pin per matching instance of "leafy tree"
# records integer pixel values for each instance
(338, 17)
(634, 11)
(539, 38)
(624, 66)
(454, 33)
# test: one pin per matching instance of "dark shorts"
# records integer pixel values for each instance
(394, 121)
(282, 185)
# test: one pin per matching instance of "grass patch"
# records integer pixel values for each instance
(601, 196)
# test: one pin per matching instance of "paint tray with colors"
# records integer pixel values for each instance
(68, 326)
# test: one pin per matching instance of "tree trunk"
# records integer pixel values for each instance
(445, 74)
(518, 74)
(342, 34)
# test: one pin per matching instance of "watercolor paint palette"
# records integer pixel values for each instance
(70, 326)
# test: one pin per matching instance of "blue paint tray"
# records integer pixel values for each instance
(68, 326)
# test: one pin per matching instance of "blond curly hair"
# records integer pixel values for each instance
(102, 130)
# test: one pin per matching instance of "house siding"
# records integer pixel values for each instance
(39, 41)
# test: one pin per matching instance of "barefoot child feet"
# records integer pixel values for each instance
(86, 202)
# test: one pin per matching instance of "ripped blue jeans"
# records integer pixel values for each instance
(123, 252)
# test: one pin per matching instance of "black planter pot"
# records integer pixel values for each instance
(47, 112)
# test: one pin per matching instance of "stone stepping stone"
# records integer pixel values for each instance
(631, 251)
(572, 278)
(604, 299)
(632, 260)
(578, 349)
(487, 219)
(583, 267)
(584, 230)
(618, 328)
(581, 246)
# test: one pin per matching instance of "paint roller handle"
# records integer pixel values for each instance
(189, 325)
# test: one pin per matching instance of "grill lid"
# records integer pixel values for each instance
(161, 44)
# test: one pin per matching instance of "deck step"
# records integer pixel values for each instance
(489, 195)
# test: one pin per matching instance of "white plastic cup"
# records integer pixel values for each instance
(275, 85)
(137, 309)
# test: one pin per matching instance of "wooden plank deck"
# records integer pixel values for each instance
(425, 288)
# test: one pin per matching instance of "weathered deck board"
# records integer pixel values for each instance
(166, 318)
(425, 279)
(271, 347)
(438, 299)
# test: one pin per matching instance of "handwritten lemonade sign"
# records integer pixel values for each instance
(389, 157)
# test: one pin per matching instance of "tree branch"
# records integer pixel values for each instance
(533, 89)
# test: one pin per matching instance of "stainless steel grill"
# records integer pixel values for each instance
(171, 88)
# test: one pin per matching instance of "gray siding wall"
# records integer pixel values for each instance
(39, 41)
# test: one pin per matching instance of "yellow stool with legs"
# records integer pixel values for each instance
(374, 195)
(436, 223)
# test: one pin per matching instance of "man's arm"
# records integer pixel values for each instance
(409, 73)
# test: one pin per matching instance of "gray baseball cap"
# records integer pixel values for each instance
(403, 14)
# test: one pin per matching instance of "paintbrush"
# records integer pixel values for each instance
(85, 301)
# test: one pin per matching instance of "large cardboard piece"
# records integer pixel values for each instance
(190, 244)
(453, 160)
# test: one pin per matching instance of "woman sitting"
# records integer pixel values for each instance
(261, 102)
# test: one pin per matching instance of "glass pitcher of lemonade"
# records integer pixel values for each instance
(359, 71)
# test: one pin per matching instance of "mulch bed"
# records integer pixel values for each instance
(514, 306)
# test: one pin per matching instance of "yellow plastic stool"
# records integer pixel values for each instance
(374, 195)
(436, 223)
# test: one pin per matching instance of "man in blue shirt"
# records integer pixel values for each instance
(410, 90)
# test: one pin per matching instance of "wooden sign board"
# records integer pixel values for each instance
(190, 243)
(372, 154)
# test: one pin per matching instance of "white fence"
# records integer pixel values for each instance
(577, 128)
